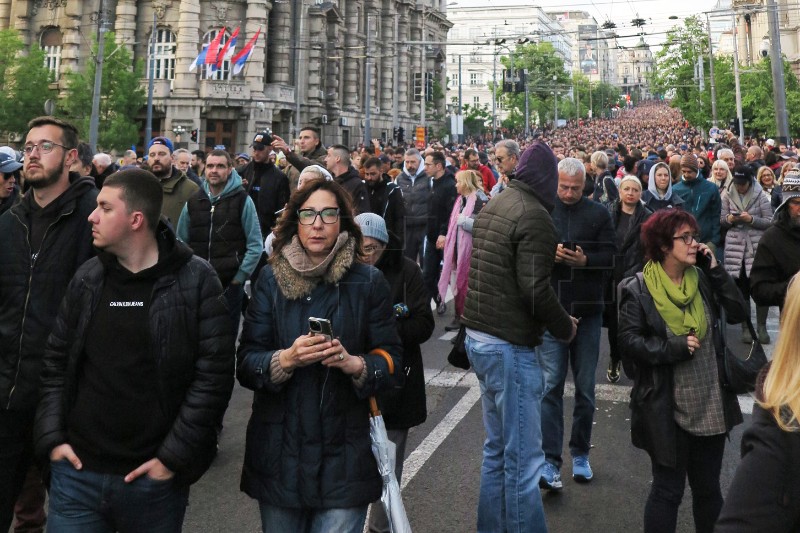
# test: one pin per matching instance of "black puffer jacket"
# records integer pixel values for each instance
(513, 249)
(440, 204)
(406, 408)
(353, 184)
(32, 289)
(192, 342)
(308, 443)
(649, 357)
(269, 192)
(386, 199)
(630, 257)
(777, 260)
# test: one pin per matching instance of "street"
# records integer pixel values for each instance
(442, 469)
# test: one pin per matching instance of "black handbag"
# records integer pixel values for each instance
(740, 374)
(458, 355)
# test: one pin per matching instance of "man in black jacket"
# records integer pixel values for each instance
(128, 429)
(583, 259)
(386, 200)
(338, 164)
(441, 199)
(265, 183)
(45, 239)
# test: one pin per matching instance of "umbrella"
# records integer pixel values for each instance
(384, 451)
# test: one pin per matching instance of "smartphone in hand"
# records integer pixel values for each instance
(320, 326)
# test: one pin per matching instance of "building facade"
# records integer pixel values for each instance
(633, 70)
(594, 50)
(481, 35)
(308, 67)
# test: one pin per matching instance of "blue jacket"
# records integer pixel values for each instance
(588, 224)
(701, 198)
(308, 442)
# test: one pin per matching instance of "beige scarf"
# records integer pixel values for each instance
(297, 275)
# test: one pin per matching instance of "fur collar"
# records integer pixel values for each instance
(294, 285)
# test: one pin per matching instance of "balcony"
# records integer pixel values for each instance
(279, 93)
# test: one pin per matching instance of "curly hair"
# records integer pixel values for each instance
(658, 231)
(286, 227)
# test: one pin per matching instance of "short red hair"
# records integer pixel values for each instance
(659, 230)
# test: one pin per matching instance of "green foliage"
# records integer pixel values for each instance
(121, 97)
(24, 83)
(477, 119)
(674, 77)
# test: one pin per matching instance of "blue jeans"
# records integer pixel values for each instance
(347, 520)
(581, 354)
(88, 502)
(511, 385)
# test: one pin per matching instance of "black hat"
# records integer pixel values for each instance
(743, 174)
(261, 140)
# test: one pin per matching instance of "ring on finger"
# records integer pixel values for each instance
(341, 356)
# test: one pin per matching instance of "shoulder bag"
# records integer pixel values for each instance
(739, 375)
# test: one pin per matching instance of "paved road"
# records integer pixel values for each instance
(442, 472)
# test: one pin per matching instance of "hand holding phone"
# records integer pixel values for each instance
(320, 326)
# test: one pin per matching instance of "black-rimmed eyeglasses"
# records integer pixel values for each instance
(308, 216)
(687, 238)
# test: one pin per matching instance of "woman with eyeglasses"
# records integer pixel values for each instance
(308, 459)
(458, 243)
(668, 330)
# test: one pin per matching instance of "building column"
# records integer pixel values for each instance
(22, 20)
(72, 36)
(125, 23)
(315, 60)
(416, 65)
(404, 78)
(185, 83)
(5, 14)
(280, 53)
(387, 50)
(256, 14)
(352, 67)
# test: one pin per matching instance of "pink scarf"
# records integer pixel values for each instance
(462, 256)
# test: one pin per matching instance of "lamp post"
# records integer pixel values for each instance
(178, 131)
(555, 103)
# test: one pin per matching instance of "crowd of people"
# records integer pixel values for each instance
(331, 261)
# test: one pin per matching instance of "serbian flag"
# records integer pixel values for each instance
(226, 52)
(213, 48)
(199, 60)
(241, 58)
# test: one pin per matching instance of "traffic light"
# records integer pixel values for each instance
(395, 133)
(401, 134)
(193, 136)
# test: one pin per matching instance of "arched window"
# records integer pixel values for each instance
(222, 73)
(164, 57)
(50, 41)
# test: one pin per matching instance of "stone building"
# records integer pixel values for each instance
(634, 64)
(311, 57)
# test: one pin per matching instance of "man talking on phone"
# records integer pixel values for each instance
(583, 259)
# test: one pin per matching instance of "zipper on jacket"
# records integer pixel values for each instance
(28, 294)
(210, 231)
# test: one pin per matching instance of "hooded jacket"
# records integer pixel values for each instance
(702, 199)
(653, 199)
(513, 251)
(776, 261)
(386, 200)
(741, 240)
(224, 230)
(192, 343)
(31, 288)
(415, 192)
(353, 184)
(177, 190)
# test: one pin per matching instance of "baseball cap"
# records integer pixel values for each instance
(162, 141)
(8, 164)
(261, 140)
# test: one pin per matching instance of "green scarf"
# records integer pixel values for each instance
(681, 306)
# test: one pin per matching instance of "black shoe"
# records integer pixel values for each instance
(441, 308)
(455, 325)
(612, 374)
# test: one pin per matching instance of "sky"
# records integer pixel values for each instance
(656, 13)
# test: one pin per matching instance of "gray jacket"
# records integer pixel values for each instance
(415, 193)
(742, 239)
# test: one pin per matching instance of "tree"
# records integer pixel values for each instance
(122, 97)
(24, 84)
(476, 119)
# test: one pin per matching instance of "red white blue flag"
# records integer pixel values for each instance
(241, 58)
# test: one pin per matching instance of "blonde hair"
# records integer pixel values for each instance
(782, 384)
(471, 181)
(763, 170)
(719, 163)
(784, 169)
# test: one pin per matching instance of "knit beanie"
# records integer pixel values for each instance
(689, 161)
(790, 188)
(374, 226)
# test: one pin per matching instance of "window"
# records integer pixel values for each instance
(164, 57)
(476, 78)
(51, 45)
(476, 100)
(454, 80)
(222, 73)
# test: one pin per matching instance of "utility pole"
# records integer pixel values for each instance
(423, 81)
(494, 90)
(527, 110)
(396, 74)
(94, 120)
(148, 127)
(298, 70)
(776, 59)
(711, 75)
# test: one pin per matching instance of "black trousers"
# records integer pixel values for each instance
(432, 268)
(16, 457)
(415, 242)
(699, 459)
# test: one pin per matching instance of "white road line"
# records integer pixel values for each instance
(435, 438)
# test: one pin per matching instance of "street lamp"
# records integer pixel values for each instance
(555, 103)
(178, 131)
